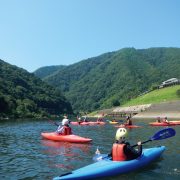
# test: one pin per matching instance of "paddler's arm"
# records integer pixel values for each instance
(110, 154)
(60, 129)
(133, 152)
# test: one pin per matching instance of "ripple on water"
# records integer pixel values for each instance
(24, 155)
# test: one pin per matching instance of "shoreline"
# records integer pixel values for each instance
(170, 109)
(154, 115)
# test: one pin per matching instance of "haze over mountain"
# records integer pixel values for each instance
(24, 95)
(113, 78)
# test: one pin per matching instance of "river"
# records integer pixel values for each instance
(25, 155)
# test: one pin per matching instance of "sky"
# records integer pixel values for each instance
(38, 33)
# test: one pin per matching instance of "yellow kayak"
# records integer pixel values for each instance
(113, 122)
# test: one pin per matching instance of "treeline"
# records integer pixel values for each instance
(114, 78)
(24, 95)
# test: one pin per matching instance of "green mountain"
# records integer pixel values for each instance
(47, 70)
(24, 95)
(114, 78)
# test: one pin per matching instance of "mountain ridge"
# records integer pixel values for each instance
(113, 78)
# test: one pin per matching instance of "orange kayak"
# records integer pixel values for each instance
(77, 123)
(163, 124)
(176, 122)
(88, 123)
(96, 123)
(65, 138)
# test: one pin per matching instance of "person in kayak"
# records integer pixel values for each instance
(128, 121)
(165, 120)
(79, 120)
(65, 129)
(99, 119)
(158, 120)
(114, 120)
(121, 150)
(85, 118)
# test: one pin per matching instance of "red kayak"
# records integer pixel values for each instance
(163, 123)
(96, 123)
(176, 122)
(77, 123)
(88, 123)
(128, 126)
(65, 138)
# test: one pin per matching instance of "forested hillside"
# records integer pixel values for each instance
(24, 95)
(48, 70)
(114, 78)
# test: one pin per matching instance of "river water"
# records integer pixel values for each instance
(25, 155)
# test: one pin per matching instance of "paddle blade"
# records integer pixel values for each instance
(163, 134)
(97, 151)
(53, 122)
(99, 157)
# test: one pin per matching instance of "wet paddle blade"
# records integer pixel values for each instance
(53, 122)
(163, 134)
(99, 157)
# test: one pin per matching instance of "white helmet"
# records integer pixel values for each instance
(121, 134)
(65, 122)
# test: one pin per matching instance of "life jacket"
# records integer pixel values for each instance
(66, 130)
(118, 152)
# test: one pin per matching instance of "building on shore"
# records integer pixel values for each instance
(170, 82)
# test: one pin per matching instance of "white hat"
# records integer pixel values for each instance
(65, 122)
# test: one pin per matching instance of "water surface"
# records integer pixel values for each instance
(25, 155)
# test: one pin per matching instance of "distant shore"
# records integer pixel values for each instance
(154, 115)
(170, 109)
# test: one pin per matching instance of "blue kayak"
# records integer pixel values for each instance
(107, 167)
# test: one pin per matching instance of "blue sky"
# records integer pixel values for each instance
(36, 33)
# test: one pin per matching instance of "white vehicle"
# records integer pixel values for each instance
(170, 81)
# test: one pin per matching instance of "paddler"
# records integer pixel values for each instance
(79, 120)
(64, 129)
(165, 120)
(158, 120)
(128, 121)
(121, 150)
(85, 118)
(114, 120)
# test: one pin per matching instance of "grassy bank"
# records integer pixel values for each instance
(157, 96)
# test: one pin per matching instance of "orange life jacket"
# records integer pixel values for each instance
(118, 152)
(66, 131)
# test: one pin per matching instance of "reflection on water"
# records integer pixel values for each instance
(65, 145)
(25, 155)
(64, 152)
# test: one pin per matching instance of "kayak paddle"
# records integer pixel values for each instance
(53, 122)
(162, 134)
